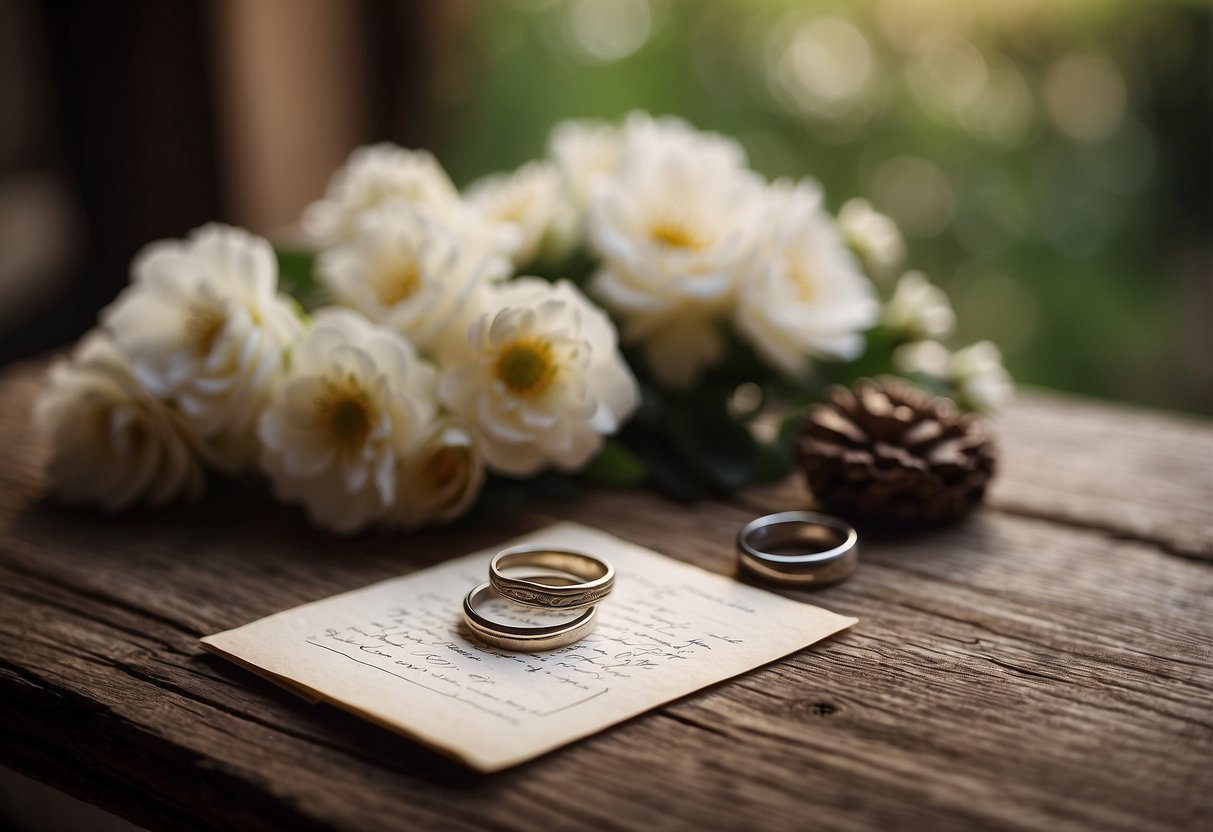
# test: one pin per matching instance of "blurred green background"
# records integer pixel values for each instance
(1047, 160)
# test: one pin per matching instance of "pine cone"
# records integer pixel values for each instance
(886, 453)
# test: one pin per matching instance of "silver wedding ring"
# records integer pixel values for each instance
(798, 547)
(526, 637)
(597, 577)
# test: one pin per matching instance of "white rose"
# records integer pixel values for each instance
(386, 172)
(584, 152)
(441, 479)
(979, 377)
(917, 310)
(408, 271)
(530, 199)
(205, 327)
(808, 297)
(112, 443)
(873, 236)
(676, 227)
(541, 378)
(371, 175)
(356, 402)
(642, 133)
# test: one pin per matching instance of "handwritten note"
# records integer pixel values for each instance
(396, 652)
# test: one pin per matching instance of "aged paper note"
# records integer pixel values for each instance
(396, 653)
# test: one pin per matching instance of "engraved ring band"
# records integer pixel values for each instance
(597, 577)
(526, 638)
(799, 548)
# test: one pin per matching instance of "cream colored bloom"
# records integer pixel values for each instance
(529, 199)
(112, 444)
(541, 379)
(979, 377)
(385, 172)
(917, 310)
(408, 271)
(356, 403)
(873, 236)
(976, 372)
(441, 479)
(807, 297)
(584, 152)
(676, 228)
(206, 328)
(929, 358)
(370, 176)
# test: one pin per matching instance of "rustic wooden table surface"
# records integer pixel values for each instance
(1046, 665)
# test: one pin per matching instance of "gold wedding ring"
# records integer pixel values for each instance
(526, 638)
(597, 577)
(798, 547)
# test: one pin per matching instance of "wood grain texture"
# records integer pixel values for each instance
(1132, 473)
(1045, 665)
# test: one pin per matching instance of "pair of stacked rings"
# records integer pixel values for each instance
(570, 581)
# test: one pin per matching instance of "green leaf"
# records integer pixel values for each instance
(616, 466)
(671, 477)
(876, 360)
(702, 432)
(575, 266)
(296, 272)
(668, 474)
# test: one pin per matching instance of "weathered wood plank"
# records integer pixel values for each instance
(1010, 673)
(1134, 473)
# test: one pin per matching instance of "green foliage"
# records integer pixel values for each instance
(297, 275)
(617, 466)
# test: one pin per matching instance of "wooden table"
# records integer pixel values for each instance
(1046, 665)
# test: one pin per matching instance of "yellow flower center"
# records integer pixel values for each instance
(514, 208)
(398, 285)
(202, 327)
(806, 287)
(526, 366)
(677, 233)
(346, 414)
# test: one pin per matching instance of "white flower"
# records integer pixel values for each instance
(873, 236)
(112, 443)
(808, 297)
(641, 132)
(410, 272)
(979, 377)
(584, 152)
(372, 175)
(917, 310)
(976, 372)
(356, 402)
(440, 480)
(676, 228)
(530, 199)
(205, 327)
(541, 379)
(929, 358)
(378, 173)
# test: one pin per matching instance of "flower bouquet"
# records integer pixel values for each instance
(627, 311)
